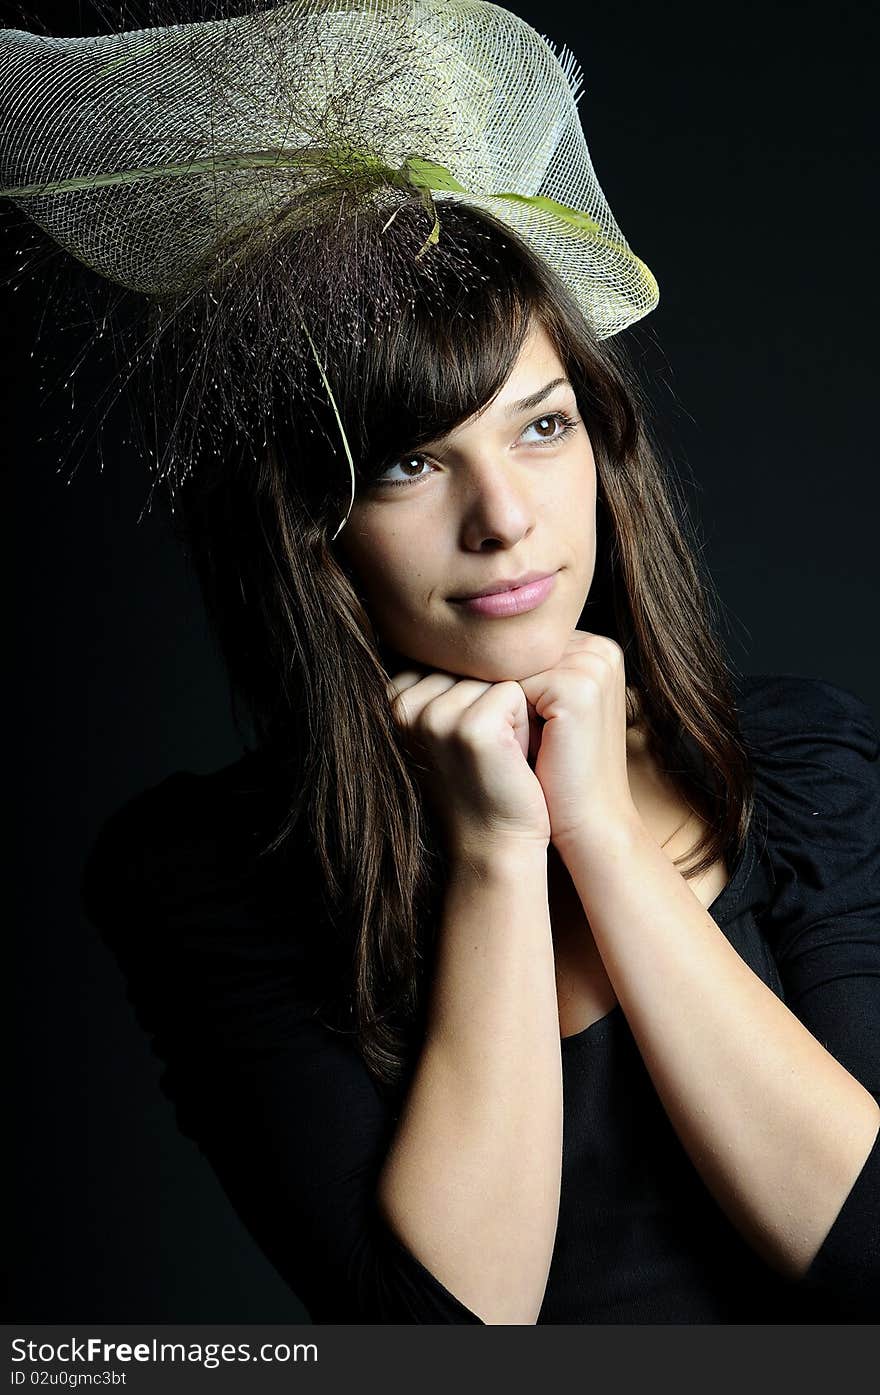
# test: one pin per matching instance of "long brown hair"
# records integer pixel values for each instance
(308, 669)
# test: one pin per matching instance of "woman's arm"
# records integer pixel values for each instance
(776, 1126)
(779, 1116)
(471, 1182)
(219, 968)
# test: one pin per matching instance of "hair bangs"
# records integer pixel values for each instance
(433, 342)
(432, 375)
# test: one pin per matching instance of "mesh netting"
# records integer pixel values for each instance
(161, 157)
(461, 83)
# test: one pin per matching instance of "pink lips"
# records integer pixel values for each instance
(512, 602)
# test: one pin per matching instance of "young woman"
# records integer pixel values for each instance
(556, 1000)
(524, 968)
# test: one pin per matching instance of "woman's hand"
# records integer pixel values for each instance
(471, 741)
(581, 760)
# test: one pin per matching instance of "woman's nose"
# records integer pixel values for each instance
(496, 505)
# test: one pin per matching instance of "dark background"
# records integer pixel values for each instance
(737, 148)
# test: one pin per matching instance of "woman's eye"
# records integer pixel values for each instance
(560, 419)
(405, 464)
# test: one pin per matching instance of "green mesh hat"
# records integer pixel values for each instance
(182, 160)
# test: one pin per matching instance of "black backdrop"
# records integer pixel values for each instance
(735, 144)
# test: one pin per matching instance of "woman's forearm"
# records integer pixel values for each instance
(776, 1126)
(471, 1181)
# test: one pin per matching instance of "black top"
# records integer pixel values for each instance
(218, 951)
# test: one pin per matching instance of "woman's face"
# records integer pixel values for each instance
(508, 492)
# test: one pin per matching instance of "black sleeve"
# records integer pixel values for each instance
(282, 1106)
(815, 747)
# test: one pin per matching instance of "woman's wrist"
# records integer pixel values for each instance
(505, 856)
(604, 839)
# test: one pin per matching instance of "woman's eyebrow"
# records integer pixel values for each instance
(526, 403)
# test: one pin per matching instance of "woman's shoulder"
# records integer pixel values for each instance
(776, 707)
(178, 819)
(813, 745)
(188, 855)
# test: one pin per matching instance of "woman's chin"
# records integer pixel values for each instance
(497, 662)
